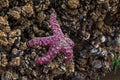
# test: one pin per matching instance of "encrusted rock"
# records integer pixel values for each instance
(23, 46)
(6, 75)
(15, 33)
(97, 64)
(15, 61)
(2, 69)
(99, 24)
(41, 6)
(3, 41)
(4, 26)
(70, 68)
(11, 41)
(35, 27)
(3, 21)
(118, 39)
(15, 14)
(4, 60)
(4, 3)
(14, 51)
(15, 76)
(73, 3)
(106, 65)
(24, 78)
(53, 65)
(2, 34)
(92, 25)
(9, 75)
(27, 10)
(41, 16)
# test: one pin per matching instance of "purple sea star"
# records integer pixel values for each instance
(57, 42)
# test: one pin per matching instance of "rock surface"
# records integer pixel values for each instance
(94, 26)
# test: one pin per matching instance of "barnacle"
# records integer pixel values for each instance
(27, 10)
(15, 33)
(4, 26)
(73, 3)
(4, 60)
(3, 41)
(2, 34)
(4, 3)
(14, 13)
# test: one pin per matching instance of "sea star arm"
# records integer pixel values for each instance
(49, 56)
(69, 54)
(54, 24)
(70, 42)
(43, 41)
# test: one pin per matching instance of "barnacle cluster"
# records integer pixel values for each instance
(4, 29)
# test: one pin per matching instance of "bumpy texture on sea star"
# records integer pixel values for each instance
(57, 42)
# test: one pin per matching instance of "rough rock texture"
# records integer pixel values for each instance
(94, 26)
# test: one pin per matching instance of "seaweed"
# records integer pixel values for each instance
(116, 64)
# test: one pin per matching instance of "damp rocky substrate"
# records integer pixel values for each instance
(92, 24)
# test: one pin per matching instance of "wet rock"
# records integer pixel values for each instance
(86, 22)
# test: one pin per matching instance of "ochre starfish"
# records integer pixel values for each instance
(57, 42)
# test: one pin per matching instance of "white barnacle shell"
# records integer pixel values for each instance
(103, 39)
(118, 39)
(104, 53)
